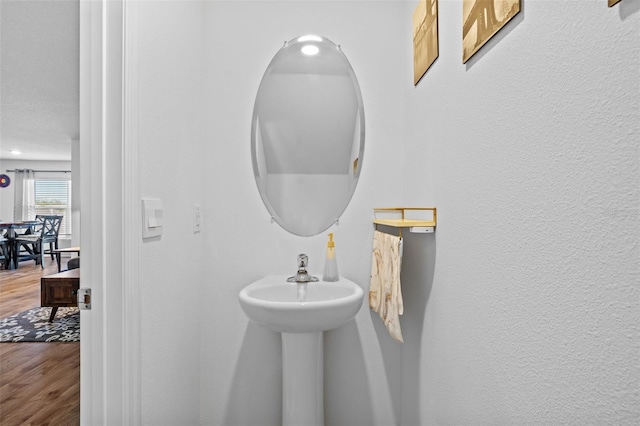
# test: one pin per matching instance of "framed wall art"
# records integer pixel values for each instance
(425, 37)
(613, 2)
(481, 20)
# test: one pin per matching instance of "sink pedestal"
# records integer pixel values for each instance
(302, 379)
(301, 312)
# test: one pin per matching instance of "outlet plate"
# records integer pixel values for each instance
(197, 218)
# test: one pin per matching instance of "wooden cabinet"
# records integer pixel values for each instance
(60, 290)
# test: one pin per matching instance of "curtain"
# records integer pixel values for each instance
(24, 198)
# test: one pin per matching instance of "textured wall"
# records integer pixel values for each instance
(530, 151)
(522, 308)
(241, 362)
(172, 268)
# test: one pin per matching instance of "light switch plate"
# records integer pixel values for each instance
(152, 212)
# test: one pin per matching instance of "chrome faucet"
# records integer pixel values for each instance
(302, 276)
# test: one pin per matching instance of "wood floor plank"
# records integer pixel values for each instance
(39, 382)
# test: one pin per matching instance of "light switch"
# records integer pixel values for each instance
(154, 222)
(152, 212)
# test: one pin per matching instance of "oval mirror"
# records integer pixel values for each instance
(307, 135)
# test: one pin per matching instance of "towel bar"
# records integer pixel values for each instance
(422, 226)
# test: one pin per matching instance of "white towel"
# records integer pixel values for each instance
(385, 293)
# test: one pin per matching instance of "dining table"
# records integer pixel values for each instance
(11, 233)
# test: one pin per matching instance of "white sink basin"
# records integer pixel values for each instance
(300, 308)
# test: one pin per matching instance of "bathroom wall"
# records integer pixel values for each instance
(241, 362)
(522, 308)
(530, 311)
(172, 267)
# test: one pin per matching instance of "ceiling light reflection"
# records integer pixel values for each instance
(310, 50)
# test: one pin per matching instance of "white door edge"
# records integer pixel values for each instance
(110, 344)
(132, 223)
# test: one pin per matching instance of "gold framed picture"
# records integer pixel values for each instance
(613, 2)
(425, 37)
(481, 20)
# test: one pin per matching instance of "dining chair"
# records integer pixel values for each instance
(31, 246)
(52, 238)
(4, 252)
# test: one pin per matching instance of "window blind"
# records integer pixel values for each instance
(53, 197)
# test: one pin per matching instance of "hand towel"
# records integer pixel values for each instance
(385, 293)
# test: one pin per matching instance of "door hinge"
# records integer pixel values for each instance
(84, 299)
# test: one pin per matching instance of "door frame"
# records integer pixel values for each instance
(110, 349)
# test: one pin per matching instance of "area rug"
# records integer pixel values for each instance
(34, 326)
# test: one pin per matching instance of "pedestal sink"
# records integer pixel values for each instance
(301, 312)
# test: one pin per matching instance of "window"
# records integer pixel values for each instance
(53, 197)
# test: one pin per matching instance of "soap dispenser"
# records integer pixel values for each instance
(330, 263)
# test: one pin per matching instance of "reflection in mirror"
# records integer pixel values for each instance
(307, 135)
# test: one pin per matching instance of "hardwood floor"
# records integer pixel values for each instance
(39, 382)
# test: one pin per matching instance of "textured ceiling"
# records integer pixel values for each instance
(39, 78)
